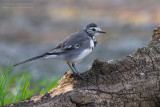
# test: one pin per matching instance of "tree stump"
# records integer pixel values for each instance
(132, 81)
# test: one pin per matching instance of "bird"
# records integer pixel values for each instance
(74, 48)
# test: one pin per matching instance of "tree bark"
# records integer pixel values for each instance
(132, 81)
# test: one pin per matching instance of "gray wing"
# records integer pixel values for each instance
(74, 41)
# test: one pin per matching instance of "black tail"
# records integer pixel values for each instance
(28, 60)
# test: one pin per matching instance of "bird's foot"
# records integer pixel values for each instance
(77, 75)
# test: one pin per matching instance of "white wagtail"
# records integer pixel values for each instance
(74, 48)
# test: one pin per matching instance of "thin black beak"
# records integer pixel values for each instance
(101, 32)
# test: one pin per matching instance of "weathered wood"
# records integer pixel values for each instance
(132, 81)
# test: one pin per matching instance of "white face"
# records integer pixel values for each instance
(94, 31)
(97, 29)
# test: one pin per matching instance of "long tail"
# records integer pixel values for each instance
(28, 60)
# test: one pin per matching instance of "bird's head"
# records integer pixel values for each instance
(92, 29)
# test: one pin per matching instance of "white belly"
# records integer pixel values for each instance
(85, 52)
(82, 55)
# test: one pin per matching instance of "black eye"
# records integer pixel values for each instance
(94, 29)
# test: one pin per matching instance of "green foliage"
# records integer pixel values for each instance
(42, 91)
(15, 87)
(26, 93)
(3, 96)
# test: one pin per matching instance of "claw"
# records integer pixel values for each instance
(80, 76)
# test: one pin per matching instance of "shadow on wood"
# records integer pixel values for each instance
(132, 81)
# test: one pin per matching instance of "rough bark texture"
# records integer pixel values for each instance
(133, 81)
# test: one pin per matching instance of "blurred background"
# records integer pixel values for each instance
(31, 27)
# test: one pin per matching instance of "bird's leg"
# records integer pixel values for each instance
(71, 68)
(75, 73)
(82, 77)
(73, 65)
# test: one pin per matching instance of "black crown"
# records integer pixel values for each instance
(91, 25)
